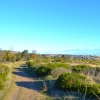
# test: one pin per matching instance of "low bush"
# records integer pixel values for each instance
(30, 63)
(43, 71)
(4, 70)
(85, 69)
(93, 90)
(49, 77)
(46, 69)
(1, 84)
(76, 82)
(70, 81)
(81, 69)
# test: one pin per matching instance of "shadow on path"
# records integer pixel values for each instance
(27, 81)
(31, 85)
(20, 72)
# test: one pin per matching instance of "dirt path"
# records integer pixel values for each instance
(24, 87)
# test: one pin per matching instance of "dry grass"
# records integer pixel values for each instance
(56, 72)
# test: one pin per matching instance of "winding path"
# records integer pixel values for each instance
(24, 87)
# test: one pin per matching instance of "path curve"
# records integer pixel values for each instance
(24, 87)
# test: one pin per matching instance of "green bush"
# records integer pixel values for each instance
(4, 70)
(46, 69)
(85, 69)
(76, 82)
(93, 90)
(43, 71)
(81, 68)
(1, 84)
(70, 81)
(30, 64)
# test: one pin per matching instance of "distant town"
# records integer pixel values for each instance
(91, 57)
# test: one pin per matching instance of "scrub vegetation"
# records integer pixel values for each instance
(58, 77)
(62, 78)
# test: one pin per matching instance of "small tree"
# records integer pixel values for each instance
(25, 54)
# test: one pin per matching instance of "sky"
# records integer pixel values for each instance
(51, 26)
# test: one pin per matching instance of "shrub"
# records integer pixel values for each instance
(81, 69)
(4, 70)
(93, 90)
(30, 64)
(1, 84)
(58, 71)
(46, 69)
(76, 82)
(49, 77)
(43, 71)
(70, 81)
(85, 69)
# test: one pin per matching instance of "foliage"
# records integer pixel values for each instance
(9, 56)
(1, 84)
(4, 70)
(49, 77)
(85, 69)
(80, 68)
(30, 63)
(25, 55)
(46, 69)
(76, 82)
(91, 89)
(18, 56)
(43, 71)
(70, 81)
(57, 59)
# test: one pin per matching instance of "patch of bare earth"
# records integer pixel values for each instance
(24, 87)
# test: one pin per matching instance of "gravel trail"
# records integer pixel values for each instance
(24, 87)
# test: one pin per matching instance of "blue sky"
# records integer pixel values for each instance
(51, 26)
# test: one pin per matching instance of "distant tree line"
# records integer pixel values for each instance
(12, 56)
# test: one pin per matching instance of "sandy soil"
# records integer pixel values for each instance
(24, 87)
